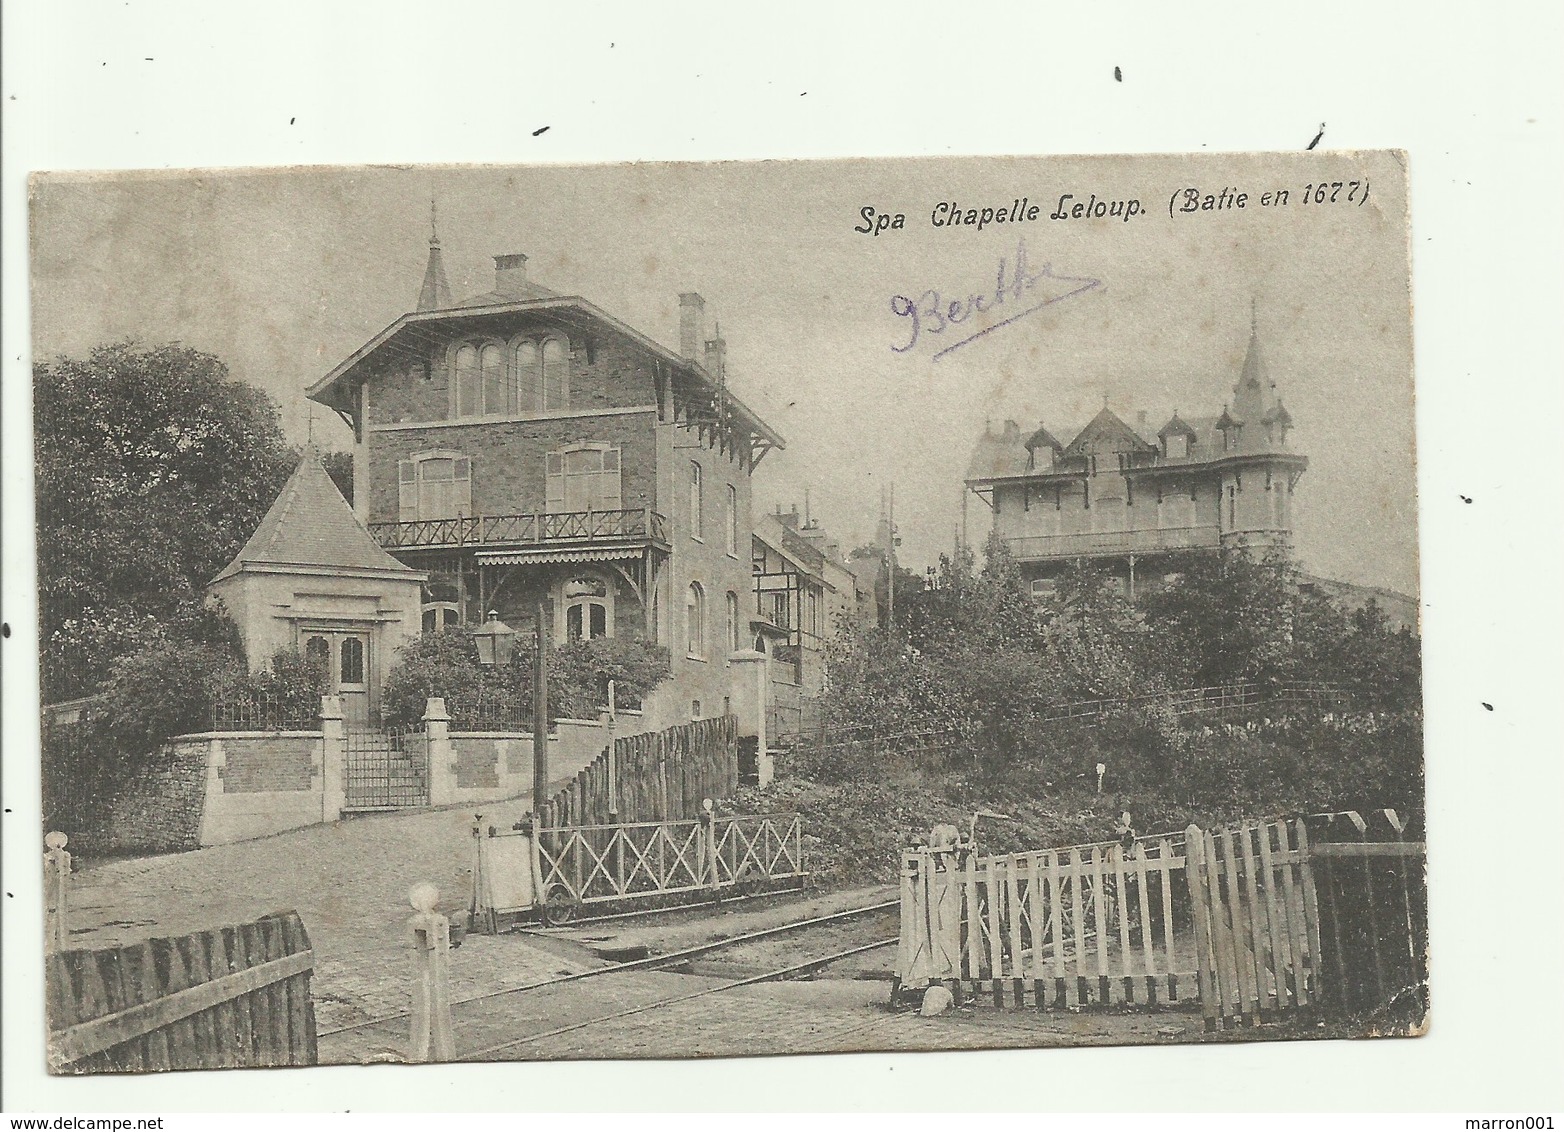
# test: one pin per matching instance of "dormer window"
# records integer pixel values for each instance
(1177, 446)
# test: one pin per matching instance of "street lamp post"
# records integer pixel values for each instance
(496, 641)
(539, 719)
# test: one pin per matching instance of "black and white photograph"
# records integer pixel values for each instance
(727, 609)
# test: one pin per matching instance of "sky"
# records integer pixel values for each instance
(283, 273)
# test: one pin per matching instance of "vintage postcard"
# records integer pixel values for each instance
(728, 609)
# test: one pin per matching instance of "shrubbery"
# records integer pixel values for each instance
(169, 688)
(977, 659)
(446, 664)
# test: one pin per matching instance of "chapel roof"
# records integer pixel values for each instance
(310, 524)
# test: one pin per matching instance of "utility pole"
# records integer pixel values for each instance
(539, 719)
(890, 562)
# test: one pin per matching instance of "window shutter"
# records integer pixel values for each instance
(461, 486)
(407, 491)
(554, 482)
(609, 496)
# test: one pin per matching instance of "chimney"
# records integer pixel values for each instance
(510, 274)
(717, 355)
(692, 325)
(1140, 419)
(1012, 430)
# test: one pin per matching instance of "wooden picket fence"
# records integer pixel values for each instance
(1231, 914)
(660, 775)
(1083, 925)
(225, 997)
(1256, 920)
(1373, 900)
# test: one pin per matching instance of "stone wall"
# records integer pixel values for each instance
(265, 764)
(157, 808)
(259, 784)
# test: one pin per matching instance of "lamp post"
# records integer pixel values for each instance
(496, 641)
(539, 719)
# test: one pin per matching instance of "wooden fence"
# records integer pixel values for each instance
(656, 776)
(1231, 915)
(1256, 920)
(225, 997)
(1085, 925)
(1373, 914)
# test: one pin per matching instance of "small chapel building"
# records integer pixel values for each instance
(311, 578)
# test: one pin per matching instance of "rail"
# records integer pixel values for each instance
(536, 528)
(1036, 547)
(649, 963)
(558, 871)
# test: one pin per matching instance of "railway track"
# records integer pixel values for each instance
(782, 972)
(650, 963)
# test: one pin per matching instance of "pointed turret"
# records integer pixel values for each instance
(1254, 389)
(435, 294)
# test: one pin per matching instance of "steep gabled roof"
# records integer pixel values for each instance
(1041, 437)
(414, 329)
(1178, 425)
(310, 524)
(1106, 426)
(1279, 415)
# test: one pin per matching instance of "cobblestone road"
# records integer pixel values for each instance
(348, 881)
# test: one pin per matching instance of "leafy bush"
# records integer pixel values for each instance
(976, 657)
(446, 664)
(579, 673)
(166, 689)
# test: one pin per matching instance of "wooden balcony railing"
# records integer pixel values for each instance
(1033, 547)
(523, 530)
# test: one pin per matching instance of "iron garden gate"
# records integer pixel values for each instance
(386, 770)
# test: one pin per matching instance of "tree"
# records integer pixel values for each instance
(1228, 617)
(153, 468)
(339, 466)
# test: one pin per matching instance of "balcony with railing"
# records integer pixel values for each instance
(628, 526)
(1091, 544)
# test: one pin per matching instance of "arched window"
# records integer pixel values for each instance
(527, 369)
(317, 650)
(556, 374)
(496, 394)
(440, 616)
(352, 660)
(695, 620)
(733, 520)
(467, 385)
(733, 621)
(697, 501)
(588, 604)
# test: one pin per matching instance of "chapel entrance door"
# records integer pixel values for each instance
(345, 656)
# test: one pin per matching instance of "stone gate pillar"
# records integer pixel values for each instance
(751, 698)
(442, 757)
(333, 759)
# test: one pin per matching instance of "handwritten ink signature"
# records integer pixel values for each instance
(931, 313)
